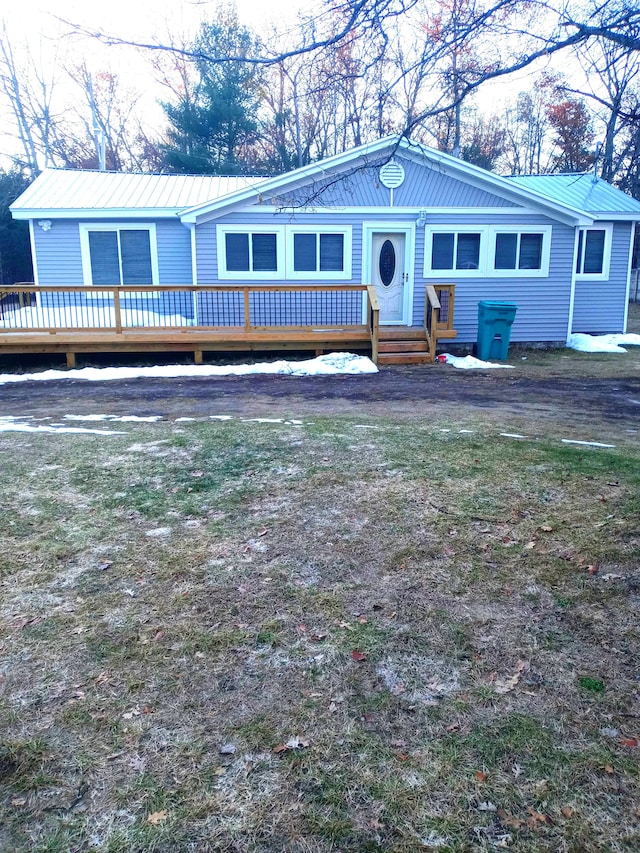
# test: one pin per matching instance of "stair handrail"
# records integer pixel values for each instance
(431, 312)
(373, 320)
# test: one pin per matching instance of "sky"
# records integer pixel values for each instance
(39, 35)
(37, 31)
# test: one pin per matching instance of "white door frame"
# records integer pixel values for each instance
(409, 230)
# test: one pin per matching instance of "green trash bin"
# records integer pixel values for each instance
(494, 329)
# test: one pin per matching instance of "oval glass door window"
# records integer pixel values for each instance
(387, 263)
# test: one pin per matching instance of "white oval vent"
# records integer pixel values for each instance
(391, 174)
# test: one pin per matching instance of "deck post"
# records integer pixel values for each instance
(197, 356)
(247, 309)
(71, 359)
(116, 310)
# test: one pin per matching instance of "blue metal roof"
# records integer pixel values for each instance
(582, 192)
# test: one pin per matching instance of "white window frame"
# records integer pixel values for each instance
(543, 272)
(250, 275)
(606, 252)
(430, 230)
(86, 227)
(319, 275)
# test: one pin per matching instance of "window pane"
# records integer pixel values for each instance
(304, 252)
(264, 253)
(332, 252)
(506, 248)
(103, 251)
(237, 249)
(442, 252)
(135, 250)
(594, 252)
(468, 254)
(530, 252)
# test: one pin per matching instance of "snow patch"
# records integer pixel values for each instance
(324, 365)
(6, 426)
(586, 443)
(602, 343)
(468, 362)
(90, 315)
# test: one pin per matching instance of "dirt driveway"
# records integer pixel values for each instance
(609, 403)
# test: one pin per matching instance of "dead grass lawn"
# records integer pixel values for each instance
(338, 635)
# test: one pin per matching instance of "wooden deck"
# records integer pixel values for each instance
(71, 320)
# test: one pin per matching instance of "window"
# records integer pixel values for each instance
(316, 254)
(460, 251)
(516, 252)
(291, 252)
(455, 252)
(119, 254)
(250, 253)
(594, 250)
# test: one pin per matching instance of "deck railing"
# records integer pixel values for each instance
(438, 313)
(297, 313)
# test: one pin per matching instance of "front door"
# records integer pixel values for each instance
(389, 274)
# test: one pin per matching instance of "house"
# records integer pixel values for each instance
(402, 217)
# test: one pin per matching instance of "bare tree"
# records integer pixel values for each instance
(28, 93)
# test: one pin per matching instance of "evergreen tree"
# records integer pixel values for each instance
(15, 251)
(216, 118)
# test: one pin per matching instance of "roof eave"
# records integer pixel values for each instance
(95, 213)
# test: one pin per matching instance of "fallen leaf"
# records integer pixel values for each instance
(487, 806)
(157, 817)
(454, 727)
(504, 685)
(536, 818)
(608, 769)
(567, 811)
(592, 570)
(402, 756)
(318, 638)
(293, 743)
(629, 741)
(17, 802)
(227, 749)
(263, 532)
(530, 545)
(481, 777)
(547, 528)
(509, 820)
(357, 655)
(362, 619)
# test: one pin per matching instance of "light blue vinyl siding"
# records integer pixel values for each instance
(430, 187)
(543, 303)
(174, 252)
(599, 306)
(424, 186)
(59, 262)
(58, 255)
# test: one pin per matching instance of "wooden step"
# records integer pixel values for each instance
(404, 358)
(401, 333)
(403, 346)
